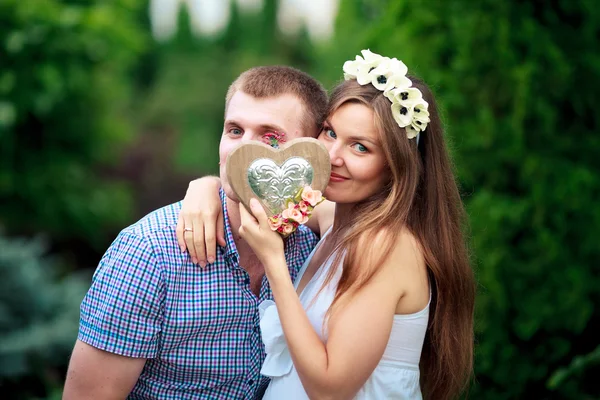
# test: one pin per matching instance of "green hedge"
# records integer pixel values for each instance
(39, 315)
(65, 87)
(518, 82)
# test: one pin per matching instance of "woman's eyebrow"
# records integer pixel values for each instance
(357, 138)
(363, 139)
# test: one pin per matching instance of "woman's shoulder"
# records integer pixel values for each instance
(409, 270)
(405, 250)
(404, 266)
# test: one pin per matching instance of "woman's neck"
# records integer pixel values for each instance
(342, 219)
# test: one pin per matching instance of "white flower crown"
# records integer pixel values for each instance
(409, 108)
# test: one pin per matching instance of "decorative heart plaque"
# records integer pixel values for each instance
(274, 176)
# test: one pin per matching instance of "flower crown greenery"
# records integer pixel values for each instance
(409, 108)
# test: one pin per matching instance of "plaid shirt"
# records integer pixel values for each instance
(198, 328)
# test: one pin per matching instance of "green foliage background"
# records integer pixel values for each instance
(100, 124)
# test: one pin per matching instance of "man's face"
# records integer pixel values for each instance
(249, 118)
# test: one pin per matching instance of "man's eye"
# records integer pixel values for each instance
(235, 131)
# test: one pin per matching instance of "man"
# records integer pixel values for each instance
(155, 326)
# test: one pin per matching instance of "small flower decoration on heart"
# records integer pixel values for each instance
(274, 138)
(298, 211)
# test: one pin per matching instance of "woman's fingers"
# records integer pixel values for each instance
(249, 223)
(198, 233)
(221, 229)
(179, 234)
(259, 213)
(210, 240)
(246, 218)
(198, 240)
(188, 235)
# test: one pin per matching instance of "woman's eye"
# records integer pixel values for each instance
(330, 133)
(360, 148)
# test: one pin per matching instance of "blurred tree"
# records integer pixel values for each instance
(193, 75)
(518, 82)
(64, 91)
(39, 315)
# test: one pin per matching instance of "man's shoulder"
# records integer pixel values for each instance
(138, 253)
(154, 235)
(157, 223)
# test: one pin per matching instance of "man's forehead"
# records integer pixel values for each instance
(282, 102)
(282, 113)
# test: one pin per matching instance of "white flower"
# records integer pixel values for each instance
(410, 114)
(351, 68)
(373, 68)
(360, 67)
(411, 132)
(364, 76)
(420, 119)
(402, 114)
(389, 74)
(409, 108)
(408, 95)
(369, 56)
(420, 114)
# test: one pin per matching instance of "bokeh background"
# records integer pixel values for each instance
(109, 108)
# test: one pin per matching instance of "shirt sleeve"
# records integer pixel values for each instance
(122, 311)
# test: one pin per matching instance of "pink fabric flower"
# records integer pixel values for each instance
(275, 222)
(297, 211)
(288, 228)
(303, 206)
(312, 197)
(296, 215)
(286, 214)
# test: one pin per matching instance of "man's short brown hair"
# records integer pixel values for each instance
(277, 80)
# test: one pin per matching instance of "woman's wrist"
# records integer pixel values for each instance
(276, 268)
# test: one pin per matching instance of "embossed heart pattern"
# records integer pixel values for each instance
(276, 184)
(275, 176)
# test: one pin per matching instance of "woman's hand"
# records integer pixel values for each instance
(200, 224)
(256, 231)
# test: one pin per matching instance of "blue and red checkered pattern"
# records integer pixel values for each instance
(198, 328)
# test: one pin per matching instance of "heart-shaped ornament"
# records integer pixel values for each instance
(274, 176)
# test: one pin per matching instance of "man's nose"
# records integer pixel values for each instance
(250, 135)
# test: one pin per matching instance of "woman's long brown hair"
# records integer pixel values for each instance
(421, 196)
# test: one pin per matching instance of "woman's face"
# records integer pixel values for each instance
(358, 168)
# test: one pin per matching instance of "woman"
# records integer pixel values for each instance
(383, 306)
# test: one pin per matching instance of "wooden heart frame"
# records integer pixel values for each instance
(256, 153)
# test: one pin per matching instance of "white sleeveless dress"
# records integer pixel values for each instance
(395, 377)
